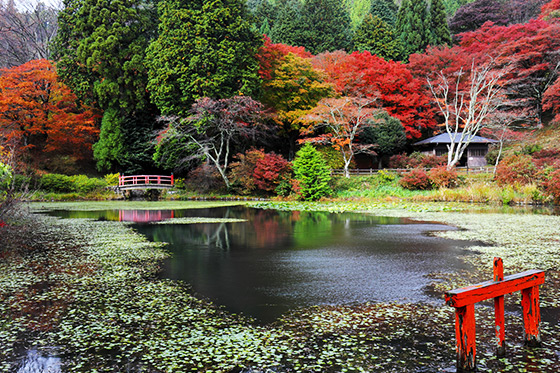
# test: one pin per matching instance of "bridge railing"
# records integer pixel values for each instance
(141, 180)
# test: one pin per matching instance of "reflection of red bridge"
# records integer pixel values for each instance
(145, 182)
(145, 216)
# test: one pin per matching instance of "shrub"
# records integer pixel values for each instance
(269, 171)
(415, 180)
(312, 172)
(204, 179)
(546, 158)
(386, 177)
(241, 174)
(551, 186)
(403, 161)
(111, 179)
(84, 184)
(441, 177)
(57, 183)
(515, 169)
(415, 160)
(431, 161)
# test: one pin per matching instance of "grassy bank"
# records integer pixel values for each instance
(90, 288)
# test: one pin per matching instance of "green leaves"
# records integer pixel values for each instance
(312, 171)
(205, 50)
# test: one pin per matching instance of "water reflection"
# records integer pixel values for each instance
(35, 362)
(279, 260)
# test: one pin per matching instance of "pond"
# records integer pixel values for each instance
(268, 262)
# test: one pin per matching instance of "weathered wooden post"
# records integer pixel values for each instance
(499, 309)
(464, 299)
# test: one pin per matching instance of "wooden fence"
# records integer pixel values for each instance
(373, 171)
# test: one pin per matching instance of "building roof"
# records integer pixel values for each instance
(444, 138)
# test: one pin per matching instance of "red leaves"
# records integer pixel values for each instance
(397, 91)
(42, 114)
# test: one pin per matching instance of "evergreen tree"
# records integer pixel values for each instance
(286, 27)
(439, 30)
(386, 10)
(265, 15)
(313, 173)
(101, 51)
(100, 48)
(204, 49)
(324, 25)
(378, 37)
(387, 133)
(413, 26)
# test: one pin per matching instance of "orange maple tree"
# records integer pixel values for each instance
(41, 116)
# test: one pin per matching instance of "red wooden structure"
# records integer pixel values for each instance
(463, 300)
(145, 182)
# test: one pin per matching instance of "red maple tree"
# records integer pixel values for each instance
(41, 116)
(396, 89)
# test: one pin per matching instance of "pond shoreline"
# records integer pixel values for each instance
(120, 313)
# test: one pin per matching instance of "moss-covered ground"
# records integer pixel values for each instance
(91, 289)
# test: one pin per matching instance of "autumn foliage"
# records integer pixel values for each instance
(41, 115)
(391, 83)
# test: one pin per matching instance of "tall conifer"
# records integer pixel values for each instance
(378, 37)
(439, 29)
(386, 10)
(325, 26)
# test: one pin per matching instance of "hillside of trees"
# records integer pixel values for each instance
(211, 90)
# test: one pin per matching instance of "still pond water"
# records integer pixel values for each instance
(274, 261)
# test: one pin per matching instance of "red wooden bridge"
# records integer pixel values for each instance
(145, 182)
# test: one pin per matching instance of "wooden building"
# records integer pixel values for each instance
(474, 155)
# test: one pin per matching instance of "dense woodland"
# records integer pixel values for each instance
(220, 91)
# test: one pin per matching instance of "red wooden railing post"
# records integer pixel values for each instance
(531, 316)
(465, 331)
(499, 310)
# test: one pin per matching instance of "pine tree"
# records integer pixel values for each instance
(204, 49)
(439, 29)
(386, 10)
(378, 37)
(286, 26)
(413, 26)
(325, 26)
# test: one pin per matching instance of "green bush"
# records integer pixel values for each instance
(111, 179)
(84, 184)
(57, 183)
(312, 172)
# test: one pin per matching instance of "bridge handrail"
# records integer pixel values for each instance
(146, 180)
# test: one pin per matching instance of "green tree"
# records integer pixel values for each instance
(100, 48)
(204, 49)
(413, 26)
(286, 26)
(125, 143)
(386, 10)
(313, 173)
(265, 13)
(325, 26)
(387, 134)
(378, 37)
(439, 29)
